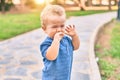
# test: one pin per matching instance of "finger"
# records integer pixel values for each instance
(70, 26)
(73, 26)
(61, 33)
(67, 27)
(67, 30)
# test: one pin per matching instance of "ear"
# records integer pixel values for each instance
(43, 27)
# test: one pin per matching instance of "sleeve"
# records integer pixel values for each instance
(43, 49)
(70, 42)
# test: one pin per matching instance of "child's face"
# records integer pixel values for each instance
(55, 24)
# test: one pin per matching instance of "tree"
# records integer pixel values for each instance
(5, 5)
(109, 6)
(81, 4)
(2, 6)
(118, 13)
(89, 2)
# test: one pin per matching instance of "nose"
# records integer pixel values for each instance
(59, 29)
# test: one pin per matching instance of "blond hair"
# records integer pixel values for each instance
(51, 10)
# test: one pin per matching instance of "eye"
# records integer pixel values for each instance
(62, 26)
(54, 26)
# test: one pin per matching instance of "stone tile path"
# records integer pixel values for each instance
(20, 57)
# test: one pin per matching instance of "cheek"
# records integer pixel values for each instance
(51, 32)
(63, 29)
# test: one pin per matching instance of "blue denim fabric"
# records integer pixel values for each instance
(60, 68)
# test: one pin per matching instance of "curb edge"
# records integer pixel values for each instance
(95, 73)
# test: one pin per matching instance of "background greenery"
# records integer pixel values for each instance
(14, 24)
(109, 59)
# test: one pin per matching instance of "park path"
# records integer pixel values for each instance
(20, 57)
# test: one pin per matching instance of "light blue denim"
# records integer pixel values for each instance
(60, 68)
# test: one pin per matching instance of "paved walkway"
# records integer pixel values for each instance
(20, 58)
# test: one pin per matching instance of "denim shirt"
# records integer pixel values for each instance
(60, 68)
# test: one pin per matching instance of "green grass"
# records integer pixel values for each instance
(12, 25)
(115, 41)
(109, 62)
(107, 69)
(83, 13)
(97, 46)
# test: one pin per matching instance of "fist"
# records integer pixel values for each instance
(59, 36)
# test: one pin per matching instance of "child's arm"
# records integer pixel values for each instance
(75, 41)
(53, 50)
(70, 30)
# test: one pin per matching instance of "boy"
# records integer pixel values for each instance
(57, 48)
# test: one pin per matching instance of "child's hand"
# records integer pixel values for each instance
(70, 30)
(58, 36)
